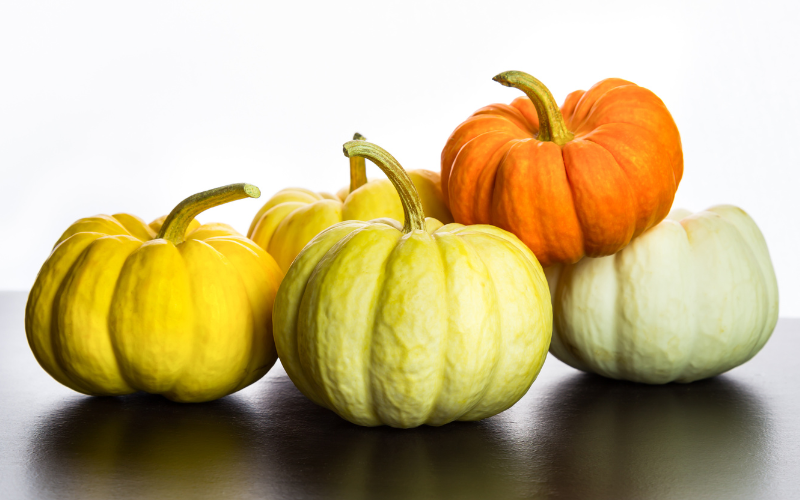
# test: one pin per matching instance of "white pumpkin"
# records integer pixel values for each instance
(692, 297)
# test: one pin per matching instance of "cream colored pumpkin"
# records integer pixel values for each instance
(691, 298)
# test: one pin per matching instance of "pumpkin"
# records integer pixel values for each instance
(416, 324)
(293, 216)
(582, 180)
(691, 298)
(116, 309)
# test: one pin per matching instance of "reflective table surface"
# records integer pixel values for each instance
(573, 436)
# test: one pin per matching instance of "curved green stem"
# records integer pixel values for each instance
(358, 169)
(412, 205)
(551, 123)
(178, 220)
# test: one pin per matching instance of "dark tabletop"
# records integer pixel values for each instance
(573, 436)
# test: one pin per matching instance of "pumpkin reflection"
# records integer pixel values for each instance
(313, 453)
(267, 441)
(581, 436)
(143, 446)
(614, 439)
(464, 461)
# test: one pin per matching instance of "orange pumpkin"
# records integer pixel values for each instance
(582, 180)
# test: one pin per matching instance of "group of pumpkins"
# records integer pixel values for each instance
(388, 317)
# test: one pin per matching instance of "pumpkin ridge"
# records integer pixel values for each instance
(754, 240)
(568, 107)
(617, 318)
(490, 115)
(285, 195)
(684, 366)
(656, 213)
(537, 277)
(111, 304)
(580, 104)
(326, 382)
(584, 135)
(311, 282)
(572, 194)
(507, 214)
(403, 394)
(39, 332)
(528, 110)
(288, 346)
(509, 113)
(448, 334)
(489, 380)
(232, 239)
(676, 178)
(74, 228)
(134, 224)
(479, 211)
(468, 132)
(583, 212)
(54, 331)
(373, 311)
(483, 408)
(594, 118)
(489, 177)
(464, 133)
(68, 280)
(744, 243)
(561, 347)
(178, 388)
(266, 238)
(193, 300)
(251, 374)
(121, 313)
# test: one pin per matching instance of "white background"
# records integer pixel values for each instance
(132, 106)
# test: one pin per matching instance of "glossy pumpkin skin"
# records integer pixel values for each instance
(691, 298)
(399, 326)
(606, 172)
(115, 310)
(291, 218)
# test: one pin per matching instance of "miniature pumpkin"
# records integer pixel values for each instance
(117, 309)
(293, 216)
(689, 299)
(413, 324)
(582, 180)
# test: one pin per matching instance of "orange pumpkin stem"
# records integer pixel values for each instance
(551, 123)
(176, 223)
(412, 204)
(358, 168)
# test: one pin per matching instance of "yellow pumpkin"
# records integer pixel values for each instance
(293, 216)
(417, 324)
(117, 309)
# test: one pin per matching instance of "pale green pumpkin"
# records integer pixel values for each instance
(415, 324)
(691, 298)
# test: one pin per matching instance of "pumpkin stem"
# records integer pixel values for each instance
(178, 220)
(358, 169)
(551, 123)
(412, 205)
